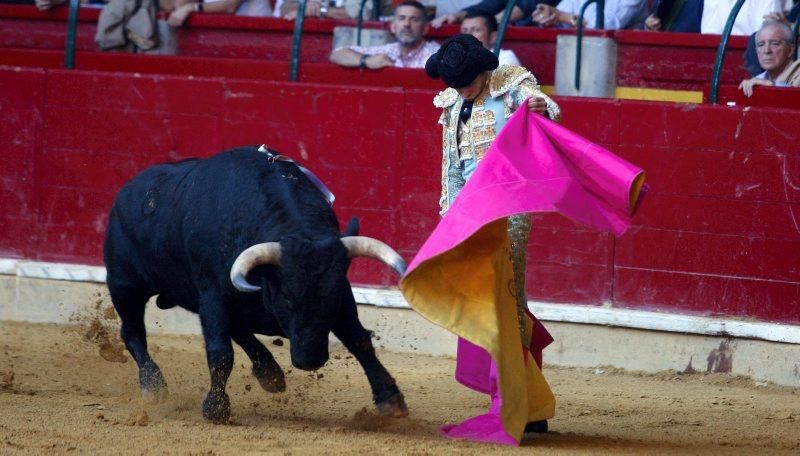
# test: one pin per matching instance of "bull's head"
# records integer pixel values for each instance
(309, 296)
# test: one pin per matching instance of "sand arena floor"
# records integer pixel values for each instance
(64, 389)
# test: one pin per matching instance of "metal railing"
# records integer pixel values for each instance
(72, 31)
(600, 23)
(297, 36)
(501, 30)
(376, 4)
(294, 62)
(723, 43)
(796, 30)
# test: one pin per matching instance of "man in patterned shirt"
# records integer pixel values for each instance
(411, 50)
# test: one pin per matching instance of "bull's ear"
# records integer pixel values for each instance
(352, 227)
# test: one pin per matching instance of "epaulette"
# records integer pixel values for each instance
(445, 98)
(506, 77)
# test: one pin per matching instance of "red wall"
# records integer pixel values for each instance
(719, 233)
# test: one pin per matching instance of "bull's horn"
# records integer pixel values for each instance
(373, 248)
(266, 253)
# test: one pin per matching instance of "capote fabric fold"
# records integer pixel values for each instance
(462, 280)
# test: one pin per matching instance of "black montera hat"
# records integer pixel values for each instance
(460, 60)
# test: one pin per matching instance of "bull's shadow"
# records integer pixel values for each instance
(249, 241)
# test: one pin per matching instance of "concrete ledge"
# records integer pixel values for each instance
(565, 313)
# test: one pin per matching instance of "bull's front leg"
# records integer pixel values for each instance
(219, 354)
(265, 369)
(388, 398)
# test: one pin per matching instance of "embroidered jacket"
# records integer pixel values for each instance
(509, 86)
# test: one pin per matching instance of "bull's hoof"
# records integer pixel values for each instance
(217, 408)
(272, 382)
(394, 407)
(152, 384)
(156, 396)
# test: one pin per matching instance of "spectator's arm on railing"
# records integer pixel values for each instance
(185, 8)
(45, 5)
(748, 84)
(347, 57)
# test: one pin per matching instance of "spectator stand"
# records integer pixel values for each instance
(647, 60)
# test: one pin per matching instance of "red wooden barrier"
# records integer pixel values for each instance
(719, 232)
(762, 96)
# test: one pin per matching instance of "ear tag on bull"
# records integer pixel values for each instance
(273, 157)
(270, 156)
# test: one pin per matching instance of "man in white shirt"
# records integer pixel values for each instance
(774, 47)
(716, 12)
(483, 26)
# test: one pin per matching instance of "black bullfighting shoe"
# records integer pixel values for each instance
(536, 427)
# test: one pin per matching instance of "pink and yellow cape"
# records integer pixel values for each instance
(460, 277)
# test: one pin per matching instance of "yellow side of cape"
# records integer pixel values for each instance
(468, 290)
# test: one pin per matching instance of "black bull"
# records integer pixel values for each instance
(200, 232)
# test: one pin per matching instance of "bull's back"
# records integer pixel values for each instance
(175, 224)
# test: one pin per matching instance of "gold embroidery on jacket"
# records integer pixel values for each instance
(477, 134)
(510, 85)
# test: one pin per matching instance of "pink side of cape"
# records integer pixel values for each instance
(534, 165)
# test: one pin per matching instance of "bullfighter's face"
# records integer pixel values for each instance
(472, 91)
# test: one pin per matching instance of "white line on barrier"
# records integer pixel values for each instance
(566, 313)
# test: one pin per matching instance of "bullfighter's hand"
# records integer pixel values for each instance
(747, 85)
(378, 61)
(537, 105)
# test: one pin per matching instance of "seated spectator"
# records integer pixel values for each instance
(775, 47)
(618, 14)
(483, 26)
(676, 16)
(127, 25)
(411, 50)
(750, 57)
(333, 9)
(45, 5)
(749, 19)
(520, 14)
(180, 10)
